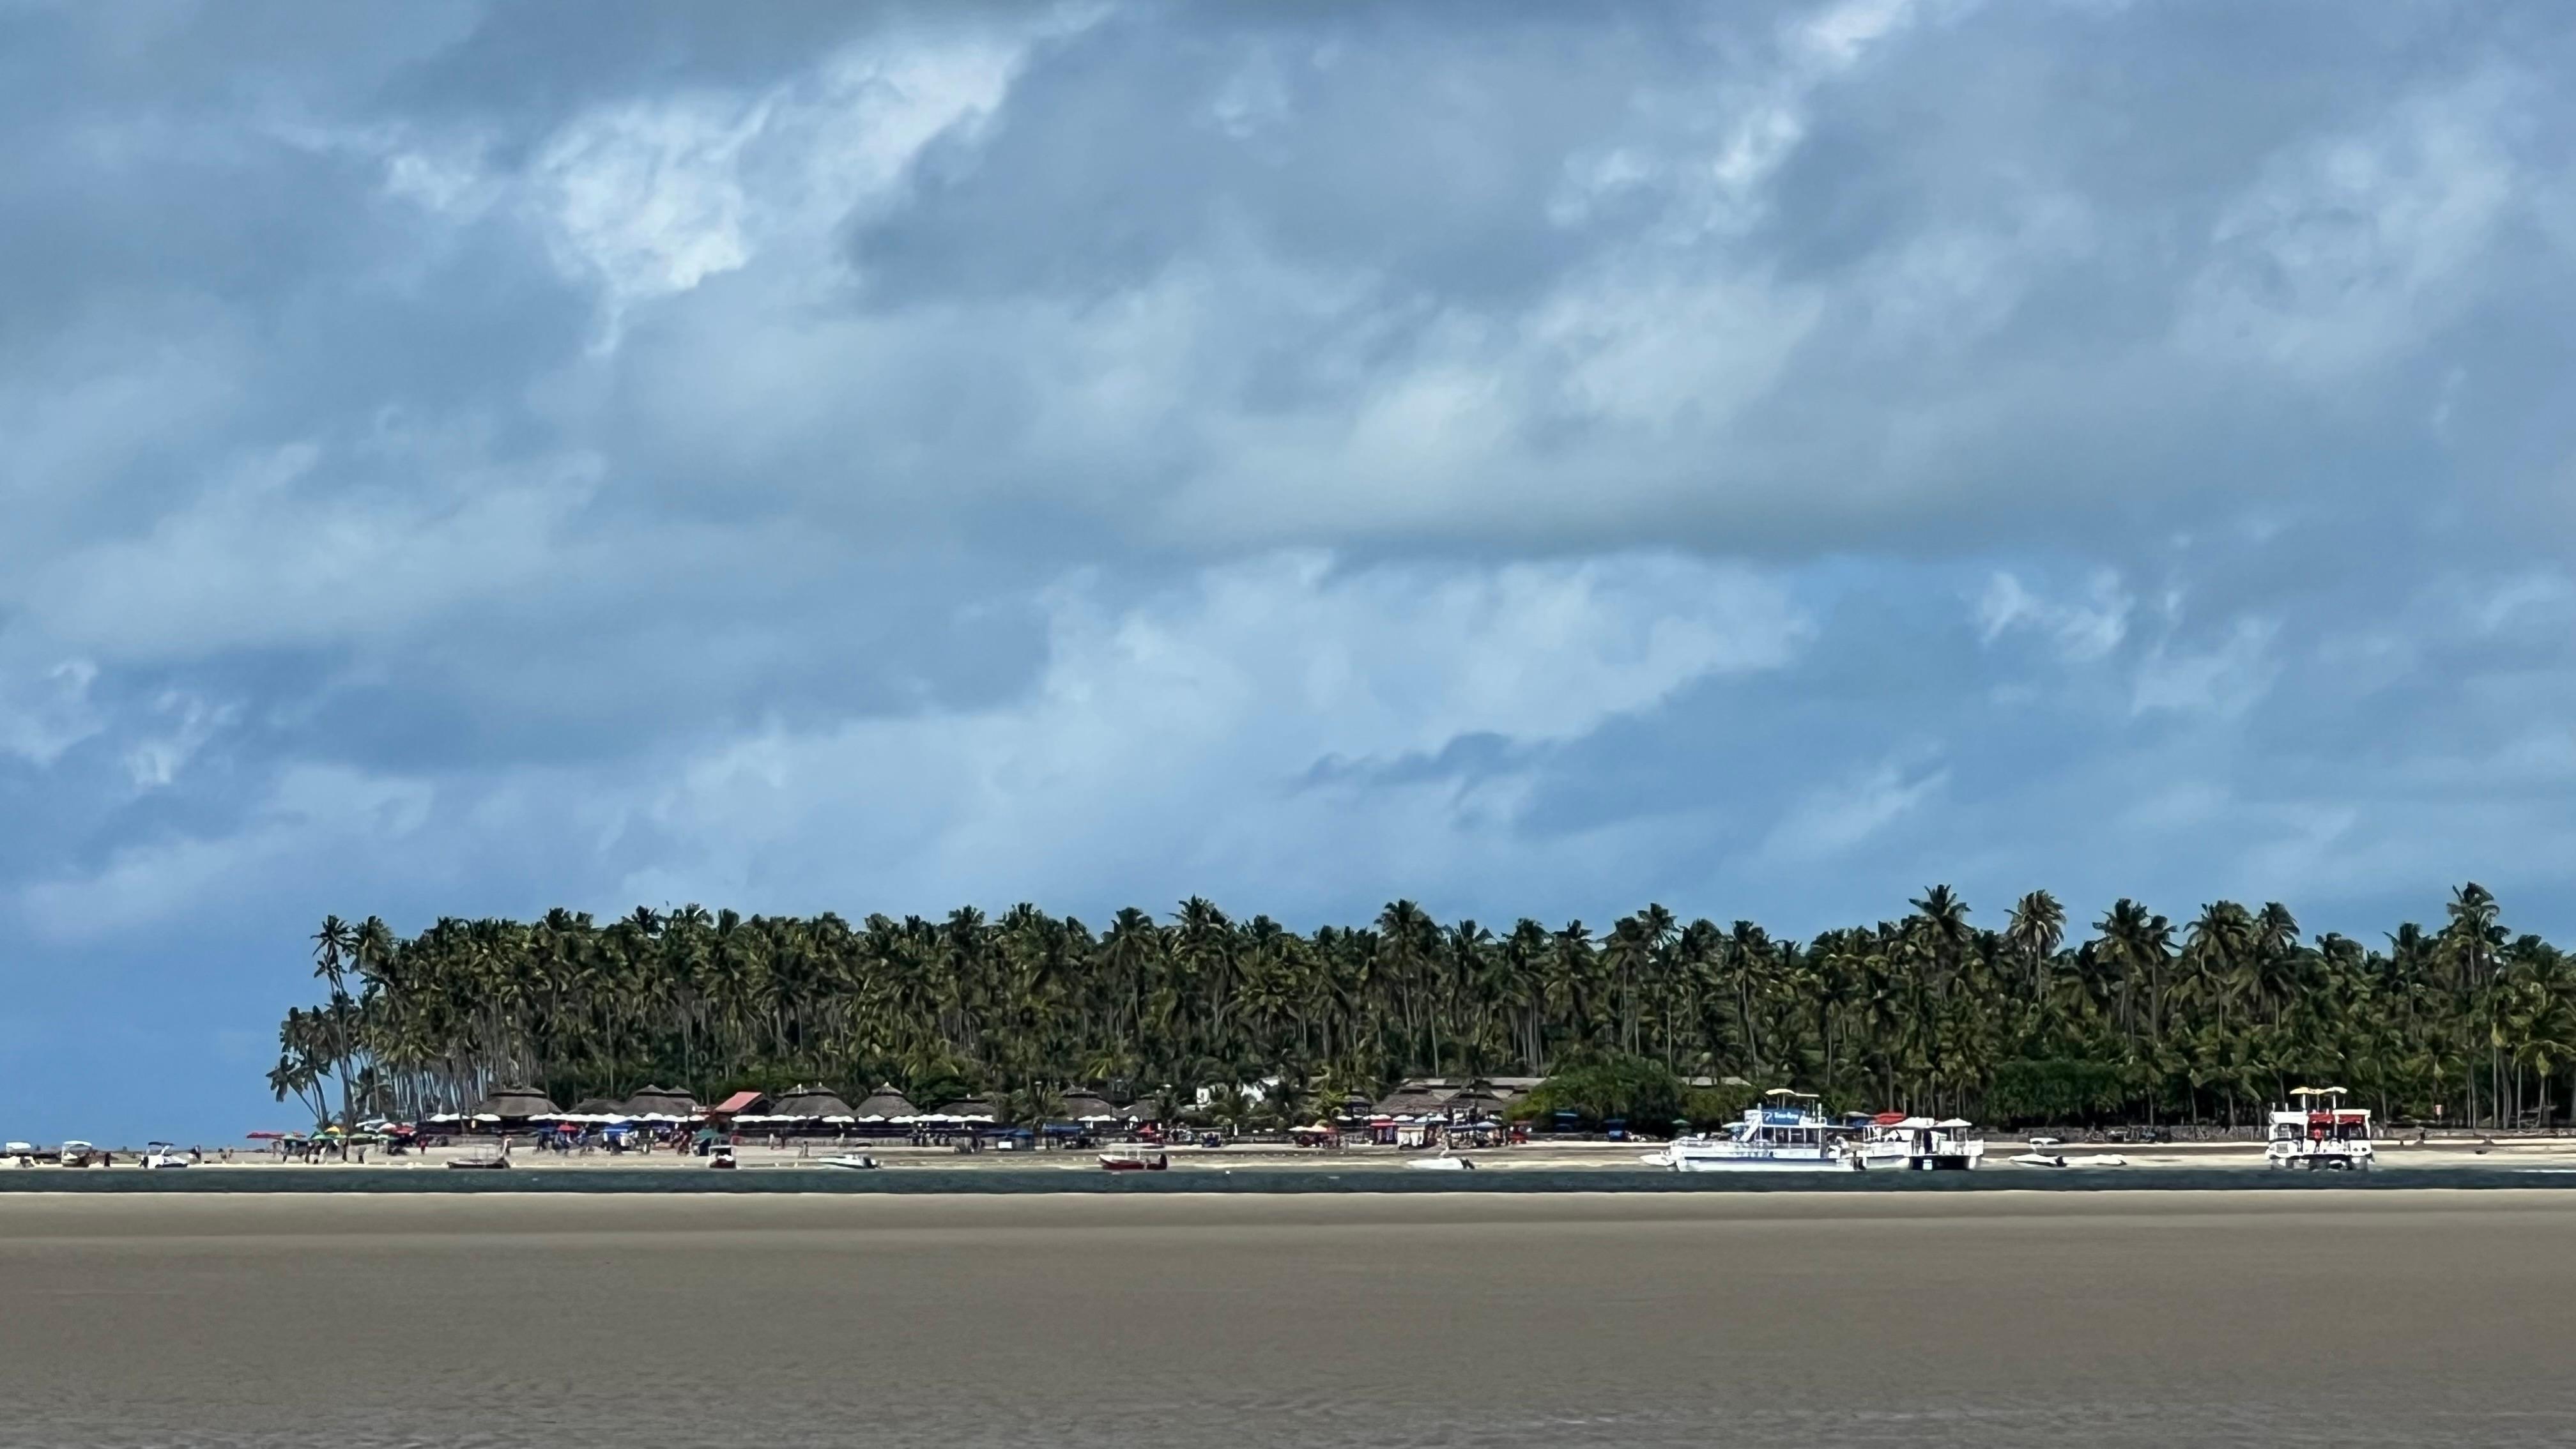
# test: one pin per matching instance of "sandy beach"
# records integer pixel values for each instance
(1779, 1319)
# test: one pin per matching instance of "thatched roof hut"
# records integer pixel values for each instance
(662, 1102)
(598, 1107)
(515, 1104)
(1087, 1107)
(1416, 1099)
(970, 1110)
(885, 1104)
(1475, 1104)
(1143, 1109)
(814, 1101)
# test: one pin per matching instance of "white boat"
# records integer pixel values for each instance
(1787, 1133)
(2060, 1159)
(1442, 1163)
(163, 1154)
(855, 1163)
(2320, 1132)
(1919, 1144)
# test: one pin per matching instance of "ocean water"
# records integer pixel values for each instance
(1985, 1319)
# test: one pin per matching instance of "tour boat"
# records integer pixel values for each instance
(2320, 1132)
(1918, 1144)
(1788, 1133)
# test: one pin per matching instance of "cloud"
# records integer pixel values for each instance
(2082, 632)
(311, 815)
(1180, 732)
(1841, 816)
(471, 460)
(48, 711)
(2350, 246)
(2225, 678)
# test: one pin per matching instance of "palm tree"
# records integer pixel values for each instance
(1927, 1010)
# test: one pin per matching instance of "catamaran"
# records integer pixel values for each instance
(2320, 1132)
(1789, 1132)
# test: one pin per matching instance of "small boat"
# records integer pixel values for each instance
(1134, 1162)
(2320, 1132)
(492, 1162)
(1788, 1133)
(1442, 1163)
(163, 1154)
(721, 1159)
(76, 1153)
(853, 1162)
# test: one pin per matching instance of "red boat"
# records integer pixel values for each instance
(1134, 1162)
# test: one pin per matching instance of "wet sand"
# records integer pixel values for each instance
(1997, 1318)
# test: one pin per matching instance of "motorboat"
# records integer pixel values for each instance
(2320, 1132)
(1789, 1132)
(1442, 1163)
(721, 1159)
(853, 1162)
(163, 1154)
(1895, 1142)
(1128, 1161)
(489, 1162)
(76, 1153)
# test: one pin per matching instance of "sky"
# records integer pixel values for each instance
(1535, 460)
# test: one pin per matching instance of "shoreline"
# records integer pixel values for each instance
(1274, 1170)
(1259, 1182)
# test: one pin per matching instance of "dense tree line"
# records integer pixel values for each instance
(2143, 1018)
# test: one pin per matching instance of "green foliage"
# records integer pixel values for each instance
(1645, 1094)
(2054, 1092)
(1713, 1107)
(2144, 1017)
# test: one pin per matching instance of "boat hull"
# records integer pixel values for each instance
(1721, 1162)
(1906, 1161)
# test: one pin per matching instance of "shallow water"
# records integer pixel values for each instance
(1988, 1319)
